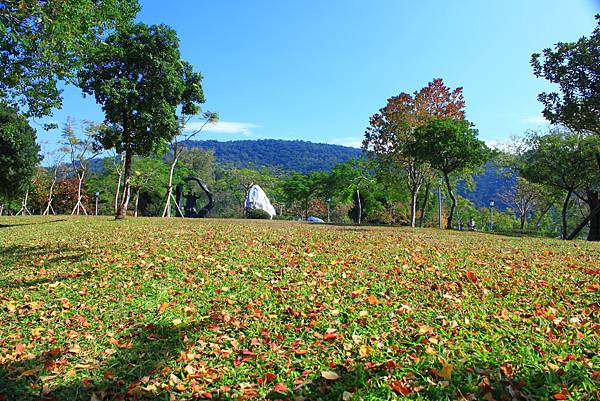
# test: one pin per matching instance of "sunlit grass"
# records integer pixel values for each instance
(177, 309)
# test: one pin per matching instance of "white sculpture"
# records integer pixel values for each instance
(257, 199)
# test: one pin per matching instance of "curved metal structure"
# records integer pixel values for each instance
(190, 208)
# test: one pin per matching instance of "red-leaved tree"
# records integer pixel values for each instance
(391, 130)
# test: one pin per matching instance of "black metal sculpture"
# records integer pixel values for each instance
(191, 209)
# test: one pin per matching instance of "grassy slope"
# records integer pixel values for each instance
(149, 308)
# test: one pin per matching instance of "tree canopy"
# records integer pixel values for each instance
(565, 160)
(43, 42)
(575, 68)
(139, 79)
(449, 146)
(391, 130)
(18, 152)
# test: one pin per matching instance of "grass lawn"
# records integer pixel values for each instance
(94, 309)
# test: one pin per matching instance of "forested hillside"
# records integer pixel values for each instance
(306, 157)
(300, 156)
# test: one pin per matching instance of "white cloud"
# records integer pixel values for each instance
(350, 141)
(498, 144)
(535, 120)
(223, 127)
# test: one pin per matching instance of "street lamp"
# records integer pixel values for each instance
(329, 210)
(492, 204)
(97, 195)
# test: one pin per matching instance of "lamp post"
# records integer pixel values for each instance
(492, 203)
(97, 195)
(329, 210)
(439, 204)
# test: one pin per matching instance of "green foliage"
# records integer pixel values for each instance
(575, 68)
(562, 159)
(449, 145)
(199, 163)
(300, 188)
(139, 79)
(18, 153)
(43, 42)
(257, 214)
(300, 156)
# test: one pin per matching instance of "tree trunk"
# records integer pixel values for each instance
(50, 195)
(1, 209)
(78, 204)
(565, 208)
(424, 205)
(522, 225)
(593, 201)
(359, 206)
(167, 210)
(118, 191)
(453, 204)
(538, 223)
(122, 209)
(305, 208)
(137, 200)
(413, 208)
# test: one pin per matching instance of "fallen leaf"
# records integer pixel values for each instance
(330, 375)
(281, 388)
(400, 388)
(446, 371)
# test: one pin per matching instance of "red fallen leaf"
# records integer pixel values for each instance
(269, 376)
(113, 341)
(472, 276)
(400, 387)
(20, 348)
(562, 395)
(248, 354)
(372, 300)
(280, 388)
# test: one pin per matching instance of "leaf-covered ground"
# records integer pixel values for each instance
(94, 309)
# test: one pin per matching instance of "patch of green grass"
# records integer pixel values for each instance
(92, 308)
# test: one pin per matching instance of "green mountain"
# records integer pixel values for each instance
(301, 156)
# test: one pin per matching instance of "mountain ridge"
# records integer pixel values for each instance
(289, 155)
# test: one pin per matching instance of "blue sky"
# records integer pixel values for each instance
(317, 70)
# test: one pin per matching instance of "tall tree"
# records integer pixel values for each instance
(575, 68)
(391, 130)
(302, 188)
(80, 153)
(523, 198)
(346, 182)
(43, 42)
(564, 160)
(18, 153)
(449, 146)
(138, 77)
(57, 168)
